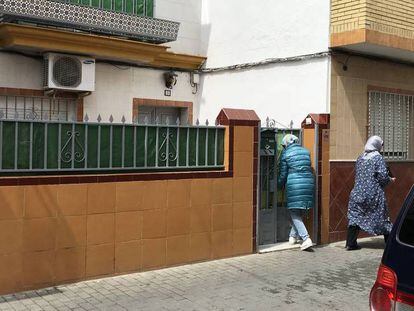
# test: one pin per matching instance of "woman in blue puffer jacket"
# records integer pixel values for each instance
(295, 173)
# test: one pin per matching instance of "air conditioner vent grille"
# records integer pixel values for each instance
(67, 71)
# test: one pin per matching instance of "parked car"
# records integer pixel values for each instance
(394, 287)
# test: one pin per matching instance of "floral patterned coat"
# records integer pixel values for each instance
(367, 204)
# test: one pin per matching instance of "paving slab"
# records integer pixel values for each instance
(327, 278)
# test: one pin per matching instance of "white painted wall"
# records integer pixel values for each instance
(116, 87)
(235, 32)
(188, 13)
(17, 71)
(280, 92)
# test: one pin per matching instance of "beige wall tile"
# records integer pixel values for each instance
(101, 198)
(242, 241)
(201, 219)
(154, 253)
(129, 196)
(243, 138)
(11, 272)
(128, 226)
(100, 260)
(222, 243)
(72, 199)
(242, 215)
(222, 217)
(128, 256)
(201, 192)
(11, 236)
(178, 250)
(178, 221)
(243, 164)
(155, 196)
(71, 231)
(12, 202)
(70, 264)
(200, 246)
(100, 229)
(38, 268)
(154, 224)
(222, 191)
(178, 193)
(40, 201)
(39, 234)
(242, 189)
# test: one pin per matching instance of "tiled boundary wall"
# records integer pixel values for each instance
(62, 229)
(348, 133)
(342, 182)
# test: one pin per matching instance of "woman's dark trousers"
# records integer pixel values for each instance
(353, 231)
(351, 240)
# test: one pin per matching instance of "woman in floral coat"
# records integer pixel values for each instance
(367, 209)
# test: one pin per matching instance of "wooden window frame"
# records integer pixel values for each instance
(137, 102)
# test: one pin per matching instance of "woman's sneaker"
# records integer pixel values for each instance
(293, 240)
(306, 244)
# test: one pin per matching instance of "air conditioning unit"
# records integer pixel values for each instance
(69, 72)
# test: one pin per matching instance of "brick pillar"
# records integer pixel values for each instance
(316, 130)
(243, 161)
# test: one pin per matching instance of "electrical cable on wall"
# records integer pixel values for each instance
(265, 62)
(243, 66)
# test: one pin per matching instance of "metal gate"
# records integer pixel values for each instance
(274, 219)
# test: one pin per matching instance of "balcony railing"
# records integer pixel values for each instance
(45, 146)
(136, 7)
(90, 19)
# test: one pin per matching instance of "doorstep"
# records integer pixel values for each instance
(282, 246)
(341, 244)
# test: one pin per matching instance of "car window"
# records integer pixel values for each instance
(407, 229)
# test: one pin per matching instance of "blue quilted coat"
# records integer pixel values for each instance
(295, 173)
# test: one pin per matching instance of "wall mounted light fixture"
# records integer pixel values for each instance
(170, 79)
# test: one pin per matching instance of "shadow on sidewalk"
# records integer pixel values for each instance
(367, 243)
(376, 243)
(31, 294)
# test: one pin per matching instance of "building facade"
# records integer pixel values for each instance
(253, 34)
(207, 30)
(166, 35)
(102, 172)
(371, 94)
(132, 185)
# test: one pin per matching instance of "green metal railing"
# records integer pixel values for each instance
(136, 7)
(47, 146)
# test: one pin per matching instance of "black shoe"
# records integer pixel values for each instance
(353, 248)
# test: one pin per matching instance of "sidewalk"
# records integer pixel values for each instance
(329, 278)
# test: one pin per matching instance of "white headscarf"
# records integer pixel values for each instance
(373, 146)
(289, 139)
(374, 143)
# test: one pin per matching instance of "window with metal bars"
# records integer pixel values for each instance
(37, 108)
(391, 117)
(137, 7)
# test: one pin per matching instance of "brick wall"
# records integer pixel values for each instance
(63, 229)
(386, 16)
(347, 15)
